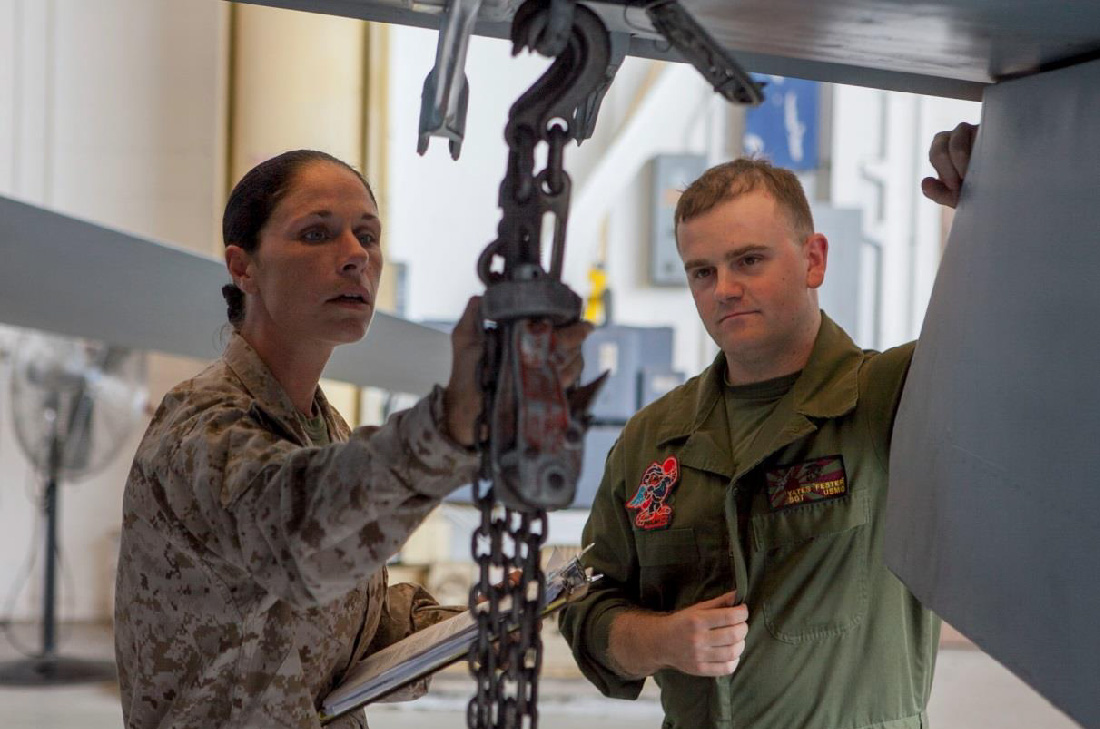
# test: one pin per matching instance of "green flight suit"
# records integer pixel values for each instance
(835, 641)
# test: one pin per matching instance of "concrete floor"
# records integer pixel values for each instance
(972, 691)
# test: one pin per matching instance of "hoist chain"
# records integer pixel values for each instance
(532, 430)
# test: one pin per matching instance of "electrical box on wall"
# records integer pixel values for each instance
(639, 360)
(672, 173)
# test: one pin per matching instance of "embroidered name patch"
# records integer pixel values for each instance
(657, 485)
(818, 480)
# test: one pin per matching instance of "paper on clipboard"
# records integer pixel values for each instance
(435, 647)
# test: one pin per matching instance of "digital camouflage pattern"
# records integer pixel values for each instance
(252, 565)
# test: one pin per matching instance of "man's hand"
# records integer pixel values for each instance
(950, 157)
(464, 397)
(704, 639)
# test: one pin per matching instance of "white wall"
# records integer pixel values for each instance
(880, 154)
(115, 111)
(444, 213)
(111, 111)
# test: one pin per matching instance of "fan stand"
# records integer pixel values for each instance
(47, 668)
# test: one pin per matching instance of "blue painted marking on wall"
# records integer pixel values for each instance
(784, 128)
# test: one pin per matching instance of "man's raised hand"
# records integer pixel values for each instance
(950, 157)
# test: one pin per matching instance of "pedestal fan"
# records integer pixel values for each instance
(74, 403)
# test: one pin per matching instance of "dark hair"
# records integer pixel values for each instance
(733, 179)
(253, 200)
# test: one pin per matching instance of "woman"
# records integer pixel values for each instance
(256, 525)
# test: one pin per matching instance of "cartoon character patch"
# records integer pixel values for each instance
(818, 480)
(657, 484)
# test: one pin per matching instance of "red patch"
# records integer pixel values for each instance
(657, 485)
(818, 480)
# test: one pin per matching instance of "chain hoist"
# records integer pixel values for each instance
(533, 430)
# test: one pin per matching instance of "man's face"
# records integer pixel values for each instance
(752, 278)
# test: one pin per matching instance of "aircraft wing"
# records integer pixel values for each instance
(939, 47)
(72, 277)
(992, 518)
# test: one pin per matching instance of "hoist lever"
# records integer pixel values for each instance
(700, 49)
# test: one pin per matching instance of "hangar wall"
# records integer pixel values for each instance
(111, 111)
(117, 111)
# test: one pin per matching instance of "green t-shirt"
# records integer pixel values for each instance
(747, 407)
(316, 428)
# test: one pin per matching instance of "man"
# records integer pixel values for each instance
(739, 523)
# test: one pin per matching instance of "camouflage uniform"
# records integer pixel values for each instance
(251, 574)
(794, 524)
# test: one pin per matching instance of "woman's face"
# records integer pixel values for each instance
(315, 274)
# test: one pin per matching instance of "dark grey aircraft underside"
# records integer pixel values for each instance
(939, 47)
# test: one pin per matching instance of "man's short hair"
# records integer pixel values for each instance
(733, 179)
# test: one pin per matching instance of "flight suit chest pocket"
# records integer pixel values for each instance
(814, 561)
(669, 565)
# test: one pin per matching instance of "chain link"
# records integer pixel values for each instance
(507, 600)
(554, 175)
(506, 658)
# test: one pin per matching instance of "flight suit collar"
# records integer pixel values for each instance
(271, 403)
(828, 387)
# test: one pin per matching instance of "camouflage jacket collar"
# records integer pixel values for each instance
(828, 387)
(271, 403)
